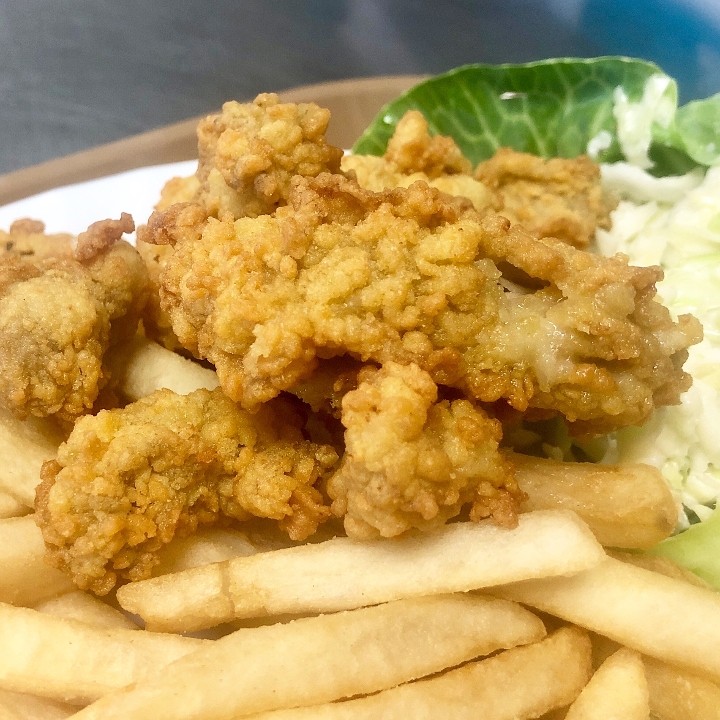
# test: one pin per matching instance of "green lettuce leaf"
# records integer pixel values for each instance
(696, 131)
(555, 108)
(697, 549)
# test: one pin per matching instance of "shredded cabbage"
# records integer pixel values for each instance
(684, 238)
(636, 120)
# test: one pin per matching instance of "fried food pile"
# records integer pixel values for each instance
(371, 324)
(416, 276)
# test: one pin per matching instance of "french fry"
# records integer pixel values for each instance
(323, 658)
(662, 617)
(676, 694)
(11, 507)
(659, 564)
(144, 366)
(521, 683)
(20, 706)
(206, 546)
(341, 573)
(25, 577)
(73, 662)
(626, 506)
(24, 446)
(617, 689)
(79, 605)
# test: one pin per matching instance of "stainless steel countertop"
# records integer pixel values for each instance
(78, 73)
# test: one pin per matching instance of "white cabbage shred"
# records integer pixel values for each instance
(635, 120)
(675, 223)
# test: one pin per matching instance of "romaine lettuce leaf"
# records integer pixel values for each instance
(558, 108)
(695, 131)
(697, 549)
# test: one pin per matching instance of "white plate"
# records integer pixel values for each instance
(73, 207)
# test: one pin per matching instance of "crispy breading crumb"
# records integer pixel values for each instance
(557, 197)
(412, 461)
(101, 235)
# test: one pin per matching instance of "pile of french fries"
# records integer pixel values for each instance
(470, 620)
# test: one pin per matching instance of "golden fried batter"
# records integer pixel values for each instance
(560, 197)
(156, 323)
(100, 236)
(325, 389)
(59, 315)
(414, 462)
(27, 238)
(248, 154)
(178, 190)
(414, 154)
(127, 481)
(413, 149)
(250, 151)
(413, 276)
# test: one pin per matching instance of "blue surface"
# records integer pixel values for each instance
(682, 37)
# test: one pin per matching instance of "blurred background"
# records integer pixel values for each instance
(79, 73)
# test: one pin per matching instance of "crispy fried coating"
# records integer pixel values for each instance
(156, 322)
(325, 389)
(412, 461)
(413, 149)
(27, 239)
(559, 197)
(58, 317)
(414, 276)
(414, 154)
(178, 190)
(128, 480)
(249, 152)
(51, 360)
(100, 236)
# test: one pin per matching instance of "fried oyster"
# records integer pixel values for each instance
(415, 276)
(414, 461)
(61, 309)
(127, 481)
